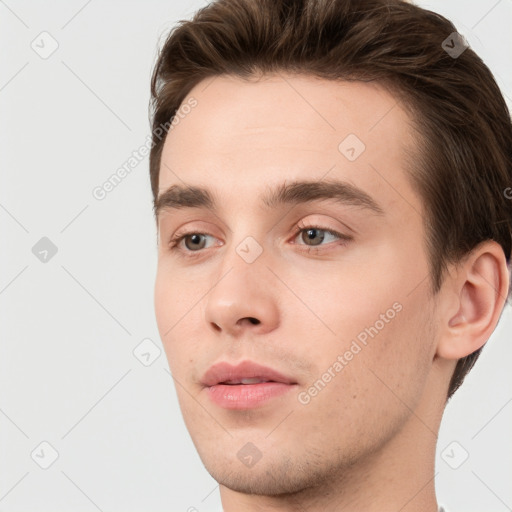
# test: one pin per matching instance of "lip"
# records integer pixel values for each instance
(223, 372)
(244, 396)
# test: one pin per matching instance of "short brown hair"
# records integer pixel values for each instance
(464, 163)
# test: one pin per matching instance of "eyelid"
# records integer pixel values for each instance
(300, 226)
(179, 236)
(304, 226)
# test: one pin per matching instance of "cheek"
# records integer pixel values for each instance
(382, 333)
(377, 383)
(163, 302)
(370, 297)
(348, 298)
(397, 357)
(175, 294)
(174, 303)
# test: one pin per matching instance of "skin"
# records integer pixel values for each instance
(367, 441)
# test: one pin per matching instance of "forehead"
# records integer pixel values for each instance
(243, 136)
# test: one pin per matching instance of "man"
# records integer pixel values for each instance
(334, 240)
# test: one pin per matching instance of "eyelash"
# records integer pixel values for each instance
(299, 228)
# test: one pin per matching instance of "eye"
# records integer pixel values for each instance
(315, 235)
(193, 241)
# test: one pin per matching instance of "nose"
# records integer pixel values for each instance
(243, 300)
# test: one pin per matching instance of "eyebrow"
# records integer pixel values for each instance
(291, 193)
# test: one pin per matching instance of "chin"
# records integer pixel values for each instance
(274, 476)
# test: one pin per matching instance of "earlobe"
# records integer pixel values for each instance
(481, 285)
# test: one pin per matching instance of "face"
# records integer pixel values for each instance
(309, 259)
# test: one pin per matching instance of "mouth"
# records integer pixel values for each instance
(246, 385)
(254, 380)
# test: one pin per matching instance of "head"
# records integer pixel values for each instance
(342, 180)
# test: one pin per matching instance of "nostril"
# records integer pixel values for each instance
(254, 321)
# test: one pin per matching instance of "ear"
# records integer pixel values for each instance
(473, 298)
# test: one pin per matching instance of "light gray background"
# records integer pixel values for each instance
(68, 375)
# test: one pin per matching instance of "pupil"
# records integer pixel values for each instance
(311, 234)
(195, 239)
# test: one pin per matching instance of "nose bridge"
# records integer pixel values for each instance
(246, 252)
(242, 295)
